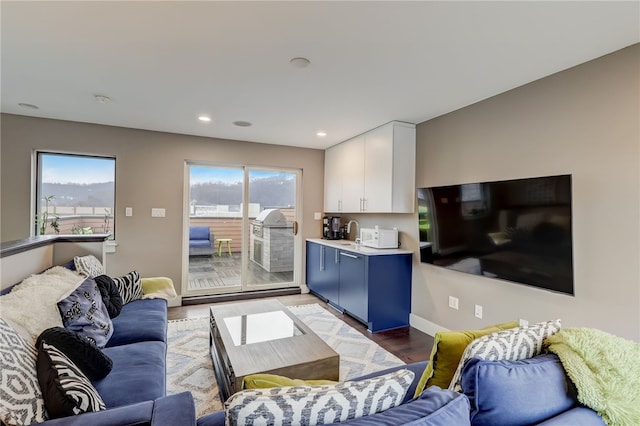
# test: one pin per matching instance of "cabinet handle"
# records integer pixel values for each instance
(364, 204)
(336, 260)
(321, 258)
(353, 256)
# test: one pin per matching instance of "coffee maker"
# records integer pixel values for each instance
(331, 229)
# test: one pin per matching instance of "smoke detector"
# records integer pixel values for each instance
(300, 62)
(102, 99)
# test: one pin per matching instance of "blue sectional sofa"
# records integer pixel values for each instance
(534, 391)
(135, 389)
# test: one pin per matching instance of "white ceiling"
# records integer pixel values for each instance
(163, 63)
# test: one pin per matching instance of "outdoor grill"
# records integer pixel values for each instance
(272, 241)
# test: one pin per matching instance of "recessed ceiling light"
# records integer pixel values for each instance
(242, 123)
(28, 106)
(300, 62)
(321, 133)
(102, 99)
(204, 118)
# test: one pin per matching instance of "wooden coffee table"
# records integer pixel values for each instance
(264, 337)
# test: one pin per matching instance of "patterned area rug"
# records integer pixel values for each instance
(189, 365)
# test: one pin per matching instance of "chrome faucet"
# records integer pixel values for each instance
(357, 228)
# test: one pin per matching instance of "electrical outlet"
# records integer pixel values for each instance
(155, 212)
(128, 211)
(317, 216)
(453, 302)
(478, 311)
(523, 322)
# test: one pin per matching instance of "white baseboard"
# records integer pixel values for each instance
(425, 325)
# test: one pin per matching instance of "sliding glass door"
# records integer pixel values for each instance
(241, 229)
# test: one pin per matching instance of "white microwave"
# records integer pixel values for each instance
(379, 238)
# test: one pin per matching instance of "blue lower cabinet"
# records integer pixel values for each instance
(375, 289)
(323, 275)
(353, 285)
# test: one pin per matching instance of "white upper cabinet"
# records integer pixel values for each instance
(373, 172)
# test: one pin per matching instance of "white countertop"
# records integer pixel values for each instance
(349, 245)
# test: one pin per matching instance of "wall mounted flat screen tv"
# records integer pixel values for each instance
(515, 230)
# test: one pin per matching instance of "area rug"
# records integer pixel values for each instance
(189, 365)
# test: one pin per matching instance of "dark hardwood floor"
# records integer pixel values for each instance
(408, 344)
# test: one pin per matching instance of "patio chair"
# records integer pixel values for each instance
(201, 241)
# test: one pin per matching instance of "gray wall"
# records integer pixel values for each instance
(149, 173)
(584, 121)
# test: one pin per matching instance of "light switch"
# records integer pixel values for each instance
(317, 215)
(128, 211)
(157, 212)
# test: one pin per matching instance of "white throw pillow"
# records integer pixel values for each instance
(318, 405)
(507, 345)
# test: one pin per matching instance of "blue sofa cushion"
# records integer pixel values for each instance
(138, 374)
(136, 414)
(198, 233)
(434, 407)
(582, 416)
(140, 321)
(176, 409)
(513, 393)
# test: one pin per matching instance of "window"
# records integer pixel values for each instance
(75, 194)
(473, 200)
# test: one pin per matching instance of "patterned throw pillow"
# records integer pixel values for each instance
(508, 345)
(84, 312)
(89, 266)
(318, 405)
(448, 347)
(21, 401)
(129, 286)
(81, 351)
(67, 391)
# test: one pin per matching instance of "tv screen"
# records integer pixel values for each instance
(516, 230)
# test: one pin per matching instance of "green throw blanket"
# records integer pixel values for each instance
(605, 369)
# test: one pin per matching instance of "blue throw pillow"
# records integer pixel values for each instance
(512, 393)
(85, 313)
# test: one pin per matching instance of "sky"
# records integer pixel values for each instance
(202, 174)
(76, 169)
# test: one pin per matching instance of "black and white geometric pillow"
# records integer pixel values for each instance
(66, 390)
(21, 401)
(129, 286)
(507, 345)
(88, 266)
(318, 405)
